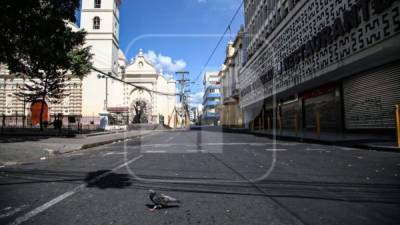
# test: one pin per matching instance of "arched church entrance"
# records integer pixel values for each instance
(141, 111)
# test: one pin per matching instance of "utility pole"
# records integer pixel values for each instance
(183, 98)
(99, 76)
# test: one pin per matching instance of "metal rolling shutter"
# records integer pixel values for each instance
(370, 98)
(289, 111)
(328, 108)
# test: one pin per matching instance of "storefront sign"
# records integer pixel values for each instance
(320, 35)
(350, 19)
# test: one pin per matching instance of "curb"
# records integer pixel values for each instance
(316, 141)
(378, 148)
(101, 143)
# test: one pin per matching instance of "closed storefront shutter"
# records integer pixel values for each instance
(328, 107)
(370, 98)
(289, 111)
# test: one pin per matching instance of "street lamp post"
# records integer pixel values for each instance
(99, 76)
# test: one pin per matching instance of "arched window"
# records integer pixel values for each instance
(96, 23)
(97, 4)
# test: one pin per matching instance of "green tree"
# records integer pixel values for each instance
(38, 44)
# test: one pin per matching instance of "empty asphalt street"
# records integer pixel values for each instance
(220, 178)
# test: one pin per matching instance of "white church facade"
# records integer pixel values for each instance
(146, 97)
(151, 90)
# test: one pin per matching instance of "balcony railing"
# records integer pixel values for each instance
(212, 95)
(211, 103)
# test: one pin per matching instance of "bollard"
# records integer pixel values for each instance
(269, 123)
(280, 124)
(296, 124)
(263, 119)
(318, 125)
(3, 123)
(398, 124)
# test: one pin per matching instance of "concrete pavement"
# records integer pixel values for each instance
(14, 150)
(221, 178)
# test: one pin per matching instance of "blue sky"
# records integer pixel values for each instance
(178, 34)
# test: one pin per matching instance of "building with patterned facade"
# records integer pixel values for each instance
(335, 59)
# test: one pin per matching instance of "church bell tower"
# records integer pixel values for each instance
(100, 19)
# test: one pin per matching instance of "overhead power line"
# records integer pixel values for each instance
(228, 28)
(133, 85)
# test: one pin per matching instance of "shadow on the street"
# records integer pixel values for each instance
(102, 179)
(105, 179)
(386, 193)
(378, 194)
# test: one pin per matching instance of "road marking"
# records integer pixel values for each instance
(64, 196)
(195, 151)
(197, 145)
(275, 150)
(12, 212)
(155, 151)
(257, 144)
(172, 137)
(348, 149)
(203, 151)
(113, 153)
(315, 149)
(169, 139)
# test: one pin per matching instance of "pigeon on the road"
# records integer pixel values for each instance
(160, 200)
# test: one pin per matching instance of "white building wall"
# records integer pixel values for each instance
(105, 47)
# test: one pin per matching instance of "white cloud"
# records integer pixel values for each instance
(165, 63)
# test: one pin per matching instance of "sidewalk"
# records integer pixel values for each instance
(27, 149)
(365, 141)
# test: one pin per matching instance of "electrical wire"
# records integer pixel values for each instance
(228, 28)
(136, 86)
